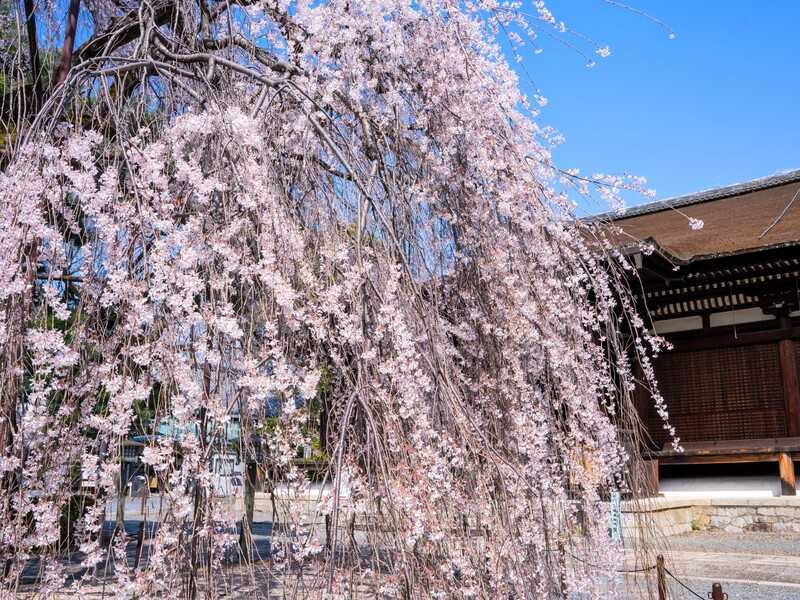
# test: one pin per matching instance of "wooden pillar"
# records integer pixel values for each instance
(786, 469)
(791, 386)
(650, 481)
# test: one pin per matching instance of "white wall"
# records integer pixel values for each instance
(718, 319)
(679, 324)
(745, 315)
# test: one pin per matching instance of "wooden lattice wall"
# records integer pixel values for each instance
(722, 393)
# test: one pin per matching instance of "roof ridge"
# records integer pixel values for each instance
(717, 193)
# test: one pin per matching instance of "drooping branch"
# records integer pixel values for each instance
(313, 194)
(125, 29)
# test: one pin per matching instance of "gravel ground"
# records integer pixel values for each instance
(739, 591)
(780, 544)
(750, 566)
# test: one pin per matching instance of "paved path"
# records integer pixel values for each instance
(750, 566)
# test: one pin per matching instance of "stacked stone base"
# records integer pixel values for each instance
(735, 515)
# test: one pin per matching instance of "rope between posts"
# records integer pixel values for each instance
(642, 570)
(683, 585)
(588, 564)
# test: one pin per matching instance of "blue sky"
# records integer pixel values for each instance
(718, 104)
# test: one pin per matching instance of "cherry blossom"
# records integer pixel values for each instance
(254, 212)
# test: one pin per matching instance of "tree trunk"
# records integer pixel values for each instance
(69, 42)
(120, 519)
(33, 52)
(246, 537)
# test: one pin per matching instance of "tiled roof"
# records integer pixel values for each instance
(735, 218)
(735, 189)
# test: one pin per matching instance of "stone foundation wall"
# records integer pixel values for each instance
(673, 517)
(770, 514)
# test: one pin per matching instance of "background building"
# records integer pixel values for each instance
(728, 298)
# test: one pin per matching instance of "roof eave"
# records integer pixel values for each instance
(729, 191)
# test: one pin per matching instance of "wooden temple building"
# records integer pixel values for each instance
(727, 296)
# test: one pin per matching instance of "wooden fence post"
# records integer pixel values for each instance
(716, 592)
(661, 577)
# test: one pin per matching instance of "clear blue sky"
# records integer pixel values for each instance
(718, 104)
